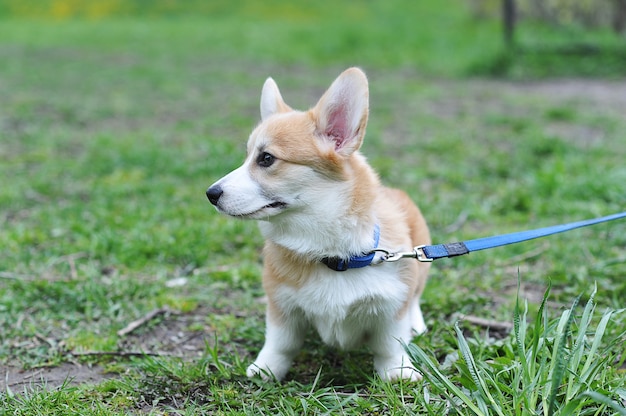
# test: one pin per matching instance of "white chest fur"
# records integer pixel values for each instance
(346, 307)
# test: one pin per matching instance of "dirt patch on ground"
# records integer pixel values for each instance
(169, 333)
(165, 333)
(17, 380)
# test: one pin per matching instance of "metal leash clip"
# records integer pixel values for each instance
(417, 253)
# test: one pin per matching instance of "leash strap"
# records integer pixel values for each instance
(434, 252)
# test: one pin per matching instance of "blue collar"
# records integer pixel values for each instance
(339, 264)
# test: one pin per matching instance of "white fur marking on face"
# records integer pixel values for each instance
(243, 197)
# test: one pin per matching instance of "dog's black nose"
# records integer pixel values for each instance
(214, 193)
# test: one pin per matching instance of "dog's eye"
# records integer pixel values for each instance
(265, 160)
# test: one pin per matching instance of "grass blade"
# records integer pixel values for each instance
(432, 373)
(530, 378)
(562, 358)
(591, 356)
(540, 323)
(578, 349)
(601, 398)
(474, 371)
(518, 329)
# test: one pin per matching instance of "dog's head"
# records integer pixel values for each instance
(297, 159)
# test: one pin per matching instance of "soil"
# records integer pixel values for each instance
(166, 334)
(17, 379)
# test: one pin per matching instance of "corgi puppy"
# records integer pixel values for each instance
(323, 211)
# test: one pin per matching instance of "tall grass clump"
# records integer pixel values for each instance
(551, 367)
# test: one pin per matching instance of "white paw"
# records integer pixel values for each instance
(255, 370)
(397, 369)
(274, 369)
(419, 329)
(402, 373)
(417, 322)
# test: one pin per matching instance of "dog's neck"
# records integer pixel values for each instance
(339, 237)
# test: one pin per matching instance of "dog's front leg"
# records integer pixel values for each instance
(390, 359)
(283, 339)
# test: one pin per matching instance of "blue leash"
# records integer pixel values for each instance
(433, 252)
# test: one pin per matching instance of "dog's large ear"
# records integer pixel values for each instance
(342, 111)
(271, 100)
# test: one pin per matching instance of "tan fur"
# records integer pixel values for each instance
(404, 215)
(291, 142)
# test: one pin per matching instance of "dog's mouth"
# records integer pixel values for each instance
(276, 204)
(265, 211)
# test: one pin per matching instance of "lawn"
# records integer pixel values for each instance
(111, 129)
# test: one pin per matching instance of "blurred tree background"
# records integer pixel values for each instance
(546, 37)
(556, 35)
(588, 13)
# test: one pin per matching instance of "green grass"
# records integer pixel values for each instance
(555, 366)
(112, 129)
